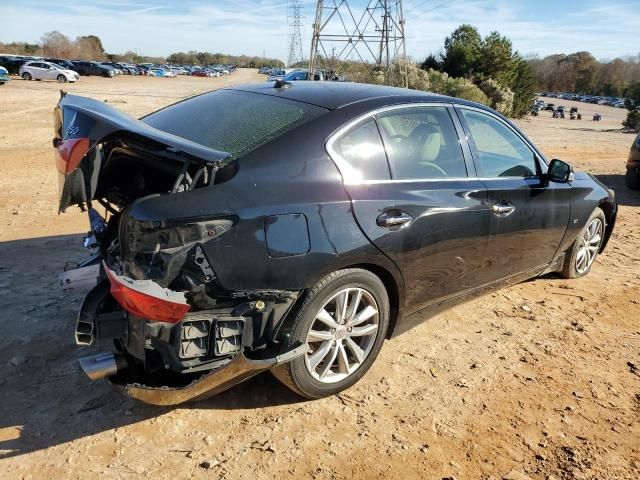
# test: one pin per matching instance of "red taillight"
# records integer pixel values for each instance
(145, 305)
(69, 153)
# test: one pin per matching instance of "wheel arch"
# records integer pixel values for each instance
(610, 212)
(394, 291)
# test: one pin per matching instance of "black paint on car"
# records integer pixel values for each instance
(295, 227)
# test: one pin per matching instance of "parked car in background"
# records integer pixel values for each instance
(302, 74)
(404, 203)
(160, 72)
(632, 177)
(93, 69)
(47, 71)
(199, 73)
(155, 72)
(13, 63)
(63, 63)
(119, 69)
(279, 74)
(4, 76)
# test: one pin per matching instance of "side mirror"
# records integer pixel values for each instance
(560, 171)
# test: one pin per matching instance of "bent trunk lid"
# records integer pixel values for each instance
(81, 124)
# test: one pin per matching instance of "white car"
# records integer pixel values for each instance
(47, 71)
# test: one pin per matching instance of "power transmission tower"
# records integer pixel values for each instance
(294, 18)
(374, 40)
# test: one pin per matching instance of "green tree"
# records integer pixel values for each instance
(586, 68)
(431, 62)
(496, 59)
(461, 51)
(524, 87)
(490, 62)
(632, 102)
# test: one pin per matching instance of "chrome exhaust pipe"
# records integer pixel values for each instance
(102, 365)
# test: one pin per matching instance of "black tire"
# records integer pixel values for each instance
(632, 179)
(62, 79)
(26, 76)
(295, 374)
(569, 268)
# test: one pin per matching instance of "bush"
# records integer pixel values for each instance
(501, 98)
(427, 81)
(633, 120)
(455, 87)
(472, 93)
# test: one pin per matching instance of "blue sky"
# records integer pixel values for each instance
(606, 28)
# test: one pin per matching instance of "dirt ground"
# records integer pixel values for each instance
(538, 381)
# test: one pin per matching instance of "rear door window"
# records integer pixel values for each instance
(422, 143)
(361, 154)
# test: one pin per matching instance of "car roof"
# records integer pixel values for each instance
(333, 95)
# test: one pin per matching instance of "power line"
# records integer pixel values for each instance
(413, 9)
(434, 8)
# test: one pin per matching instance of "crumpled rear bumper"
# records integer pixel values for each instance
(239, 369)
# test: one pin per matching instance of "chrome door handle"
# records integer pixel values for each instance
(393, 219)
(502, 209)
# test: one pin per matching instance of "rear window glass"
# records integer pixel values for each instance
(232, 121)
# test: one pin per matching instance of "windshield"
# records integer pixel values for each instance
(233, 121)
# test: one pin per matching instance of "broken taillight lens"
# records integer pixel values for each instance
(69, 153)
(145, 305)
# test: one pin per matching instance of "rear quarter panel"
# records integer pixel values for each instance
(292, 175)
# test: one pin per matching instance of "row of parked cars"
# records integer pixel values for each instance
(595, 99)
(62, 70)
(295, 74)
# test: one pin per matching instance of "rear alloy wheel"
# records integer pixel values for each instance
(62, 78)
(582, 255)
(26, 76)
(340, 341)
(344, 321)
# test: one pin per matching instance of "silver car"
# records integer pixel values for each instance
(280, 73)
(47, 71)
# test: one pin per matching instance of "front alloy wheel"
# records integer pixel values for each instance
(580, 257)
(589, 245)
(344, 320)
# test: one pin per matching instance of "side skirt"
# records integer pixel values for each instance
(415, 319)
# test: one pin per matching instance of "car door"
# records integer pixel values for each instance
(49, 72)
(405, 170)
(529, 214)
(36, 70)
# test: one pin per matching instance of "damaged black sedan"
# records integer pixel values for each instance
(295, 227)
